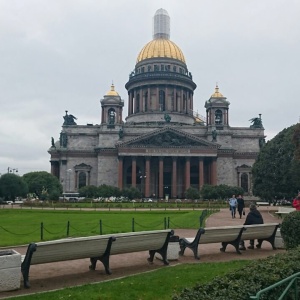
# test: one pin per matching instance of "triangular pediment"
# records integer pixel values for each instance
(168, 138)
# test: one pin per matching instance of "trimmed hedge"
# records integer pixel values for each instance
(290, 230)
(249, 280)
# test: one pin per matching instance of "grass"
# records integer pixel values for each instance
(160, 284)
(21, 226)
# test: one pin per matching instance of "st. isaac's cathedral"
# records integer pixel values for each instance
(162, 147)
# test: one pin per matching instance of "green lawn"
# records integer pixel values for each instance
(21, 226)
(160, 284)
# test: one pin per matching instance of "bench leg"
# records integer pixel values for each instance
(104, 258)
(235, 244)
(25, 266)
(193, 246)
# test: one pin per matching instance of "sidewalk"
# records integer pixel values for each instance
(58, 275)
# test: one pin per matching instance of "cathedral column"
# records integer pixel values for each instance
(214, 171)
(201, 173)
(120, 173)
(167, 102)
(133, 171)
(134, 101)
(175, 99)
(149, 99)
(174, 177)
(181, 101)
(148, 175)
(161, 178)
(157, 99)
(187, 173)
(129, 103)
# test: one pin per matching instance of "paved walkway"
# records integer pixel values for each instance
(58, 275)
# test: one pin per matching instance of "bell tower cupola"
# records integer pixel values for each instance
(112, 108)
(217, 110)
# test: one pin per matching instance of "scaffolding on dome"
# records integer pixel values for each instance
(161, 24)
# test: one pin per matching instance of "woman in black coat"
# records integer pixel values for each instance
(253, 217)
(241, 205)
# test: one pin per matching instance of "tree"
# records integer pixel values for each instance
(221, 191)
(43, 184)
(276, 170)
(12, 186)
(106, 191)
(131, 193)
(89, 191)
(192, 193)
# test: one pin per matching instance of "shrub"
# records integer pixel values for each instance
(290, 230)
(247, 281)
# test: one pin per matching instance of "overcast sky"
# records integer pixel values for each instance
(59, 55)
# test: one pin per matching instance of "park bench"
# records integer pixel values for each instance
(261, 232)
(262, 203)
(284, 211)
(96, 248)
(225, 235)
(229, 235)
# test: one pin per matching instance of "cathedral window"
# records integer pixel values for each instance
(162, 67)
(244, 182)
(143, 69)
(149, 68)
(174, 69)
(111, 116)
(82, 179)
(218, 117)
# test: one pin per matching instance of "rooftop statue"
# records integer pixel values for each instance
(256, 122)
(121, 133)
(69, 119)
(214, 135)
(167, 118)
(52, 143)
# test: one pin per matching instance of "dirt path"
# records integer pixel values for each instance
(58, 275)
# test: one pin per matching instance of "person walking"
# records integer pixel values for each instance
(232, 206)
(296, 202)
(253, 217)
(240, 205)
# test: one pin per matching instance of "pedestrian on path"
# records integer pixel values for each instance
(296, 202)
(253, 217)
(232, 206)
(240, 205)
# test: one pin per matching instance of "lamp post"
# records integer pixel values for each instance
(166, 193)
(12, 170)
(142, 177)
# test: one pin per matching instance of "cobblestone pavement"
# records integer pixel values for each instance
(58, 275)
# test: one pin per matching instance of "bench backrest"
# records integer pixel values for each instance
(69, 249)
(139, 241)
(286, 209)
(259, 231)
(220, 234)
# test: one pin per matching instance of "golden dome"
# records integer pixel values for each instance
(217, 94)
(161, 48)
(112, 91)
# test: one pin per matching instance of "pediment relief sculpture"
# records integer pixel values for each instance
(167, 139)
